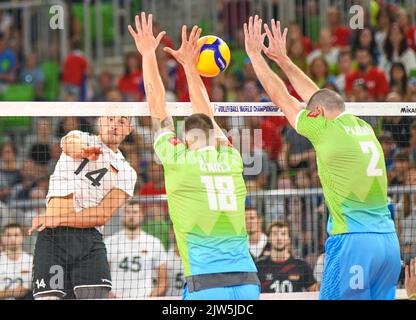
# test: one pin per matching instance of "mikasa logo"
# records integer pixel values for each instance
(407, 109)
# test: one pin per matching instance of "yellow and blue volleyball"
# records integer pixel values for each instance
(214, 57)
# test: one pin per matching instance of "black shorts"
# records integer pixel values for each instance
(69, 258)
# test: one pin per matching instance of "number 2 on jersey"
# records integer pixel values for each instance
(94, 176)
(221, 195)
(370, 147)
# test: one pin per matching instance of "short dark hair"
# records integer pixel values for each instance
(328, 99)
(12, 226)
(199, 121)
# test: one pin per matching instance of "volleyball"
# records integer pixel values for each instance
(214, 57)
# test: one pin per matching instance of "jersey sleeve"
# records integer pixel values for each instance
(126, 181)
(310, 125)
(169, 149)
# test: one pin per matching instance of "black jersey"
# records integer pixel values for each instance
(292, 275)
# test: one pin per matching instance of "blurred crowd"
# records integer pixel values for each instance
(373, 64)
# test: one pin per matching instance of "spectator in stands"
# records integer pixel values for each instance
(374, 78)
(68, 124)
(340, 33)
(410, 279)
(254, 224)
(389, 148)
(6, 24)
(326, 49)
(399, 128)
(403, 19)
(396, 49)
(319, 72)
(37, 196)
(296, 52)
(299, 151)
(406, 211)
(318, 271)
(130, 82)
(401, 165)
(344, 68)
(39, 145)
(295, 35)
(10, 174)
(280, 272)
(360, 91)
(75, 71)
(385, 18)
(412, 143)
(8, 64)
(15, 265)
(105, 83)
(32, 74)
(364, 38)
(136, 258)
(21, 191)
(399, 81)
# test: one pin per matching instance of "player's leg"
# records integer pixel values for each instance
(48, 280)
(91, 274)
(246, 292)
(385, 281)
(346, 271)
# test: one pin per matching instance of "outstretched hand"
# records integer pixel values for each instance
(188, 53)
(143, 36)
(276, 50)
(253, 37)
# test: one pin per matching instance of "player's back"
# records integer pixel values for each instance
(352, 171)
(206, 197)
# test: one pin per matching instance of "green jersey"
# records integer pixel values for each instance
(206, 198)
(352, 171)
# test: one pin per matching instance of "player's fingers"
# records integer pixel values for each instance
(268, 32)
(273, 25)
(184, 33)
(250, 25)
(160, 36)
(193, 33)
(284, 36)
(263, 36)
(255, 24)
(197, 35)
(137, 21)
(144, 24)
(42, 227)
(201, 44)
(245, 30)
(170, 51)
(150, 23)
(132, 32)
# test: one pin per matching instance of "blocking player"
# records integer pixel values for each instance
(204, 182)
(15, 264)
(280, 272)
(362, 253)
(90, 182)
(136, 258)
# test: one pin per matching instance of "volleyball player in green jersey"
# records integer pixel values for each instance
(204, 183)
(362, 259)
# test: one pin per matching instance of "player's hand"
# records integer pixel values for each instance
(43, 221)
(188, 53)
(410, 278)
(91, 153)
(143, 36)
(277, 42)
(253, 37)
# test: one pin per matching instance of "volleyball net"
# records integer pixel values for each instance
(280, 174)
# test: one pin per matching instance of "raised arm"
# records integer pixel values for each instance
(276, 51)
(272, 84)
(187, 55)
(146, 44)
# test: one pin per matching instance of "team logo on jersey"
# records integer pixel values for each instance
(294, 277)
(175, 141)
(313, 114)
